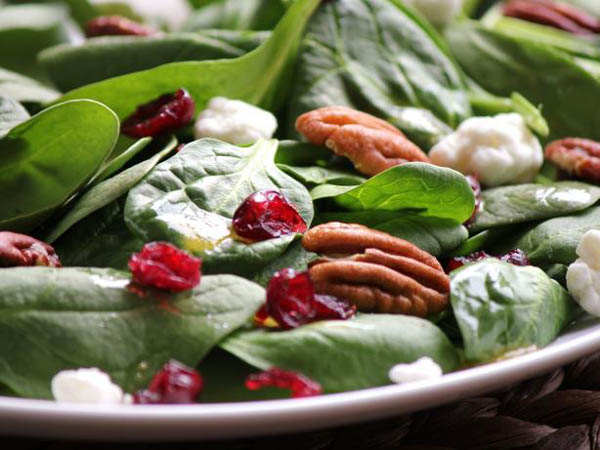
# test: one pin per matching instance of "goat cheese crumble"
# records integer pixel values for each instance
(423, 368)
(499, 150)
(86, 386)
(583, 276)
(439, 12)
(234, 121)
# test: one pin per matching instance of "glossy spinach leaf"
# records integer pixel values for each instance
(236, 15)
(106, 57)
(501, 307)
(346, 355)
(484, 240)
(190, 199)
(262, 71)
(424, 188)
(46, 159)
(27, 29)
(503, 63)
(295, 257)
(12, 114)
(377, 56)
(434, 235)
(54, 319)
(107, 192)
(24, 89)
(509, 205)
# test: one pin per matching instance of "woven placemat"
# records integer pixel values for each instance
(557, 411)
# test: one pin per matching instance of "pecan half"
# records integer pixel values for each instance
(376, 271)
(576, 156)
(372, 144)
(21, 250)
(558, 15)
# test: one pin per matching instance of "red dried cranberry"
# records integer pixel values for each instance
(175, 383)
(332, 308)
(116, 26)
(300, 385)
(516, 257)
(267, 215)
(21, 250)
(167, 113)
(290, 297)
(476, 187)
(164, 266)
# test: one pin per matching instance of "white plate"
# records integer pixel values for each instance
(235, 420)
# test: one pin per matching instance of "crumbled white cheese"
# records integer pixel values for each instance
(173, 13)
(499, 150)
(439, 12)
(86, 386)
(234, 121)
(423, 368)
(583, 276)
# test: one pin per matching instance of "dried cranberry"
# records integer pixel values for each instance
(300, 385)
(116, 26)
(476, 187)
(21, 250)
(267, 215)
(175, 383)
(515, 257)
(290, 297)
(164, 266)
(167, 113)
(332, 308)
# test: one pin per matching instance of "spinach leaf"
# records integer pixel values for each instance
(434, 235)
(106, 57)
(54, 319)
(107, 192)
(295, 257)
(12, 114)
(27, 29)
(509, 205)
(504, 63)
(236, 15)
(261, 71)
(33, 155)
(346, 355)
(501, 307)
(296, 153)
(191, 198)
(323, 175)
(377, 56)
(24, 89)
(430, 190)
(114, 164)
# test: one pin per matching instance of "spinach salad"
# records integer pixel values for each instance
(234, 200)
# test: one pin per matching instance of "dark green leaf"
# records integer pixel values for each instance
(25, 90)
(236, 15)
(501, 307)
(54, 319)
(113, 165)
(295, 153)
(509, 205)
(295, 257)
(323, 175)
(346, 355)
(190, 199)
(12, 114)
(46, 159)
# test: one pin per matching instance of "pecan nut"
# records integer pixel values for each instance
(558, 15)
(21, 250)
(372, 144)
(576, 156)
(375, 271)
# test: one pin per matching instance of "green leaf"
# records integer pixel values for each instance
(509, 205)
(296, 153)
(113, 165)
(24, 89)
(12, 114)
(110, 56)
(295, 257)
(236, 15)
(430, 190)
(190, 199)
(261, 69)
(107, 192)
(346, 355)
(55, 319)
(323, 175)
(504, 63)
(501, 307)
(378, 57)
(434, 235)
(33, 156)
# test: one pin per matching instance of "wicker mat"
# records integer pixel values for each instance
(558, 411)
